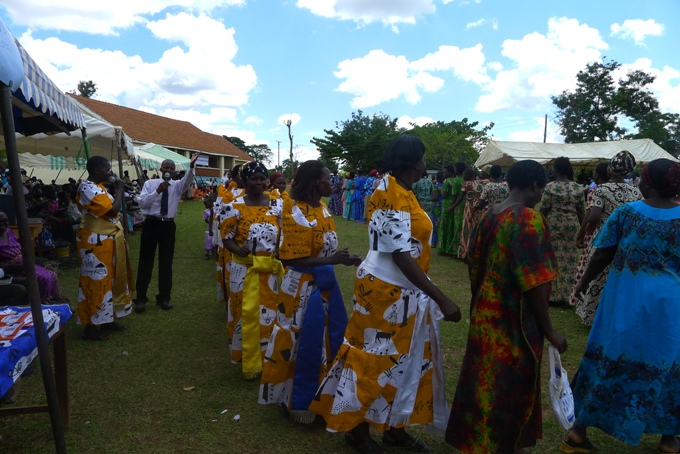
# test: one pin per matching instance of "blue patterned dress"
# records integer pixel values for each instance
(627, 383)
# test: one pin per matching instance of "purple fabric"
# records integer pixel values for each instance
(10, 254)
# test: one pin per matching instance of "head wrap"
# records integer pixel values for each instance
(346, 174)
(275, 176)
(374, 172)
(250, 169)
(622, 164)
(667, 183)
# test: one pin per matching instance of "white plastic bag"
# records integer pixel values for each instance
(561, 399)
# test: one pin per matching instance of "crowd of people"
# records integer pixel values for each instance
(381, 366)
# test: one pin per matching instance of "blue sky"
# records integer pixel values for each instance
(239, 67)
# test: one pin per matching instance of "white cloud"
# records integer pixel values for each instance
(482, 21)
(542, 65)
(197, 82)
(253, 120)
(302, 153)
(98, 17)
(467, 64)
(637, 30)
(295, 118)
(405, 121)
(379, 77)
(666, 86)
(389, 12)
(534, 134)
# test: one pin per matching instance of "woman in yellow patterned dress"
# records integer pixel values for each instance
(388, 372)
(106, 277)
(250, 230)
(225, 195)
(311, 318)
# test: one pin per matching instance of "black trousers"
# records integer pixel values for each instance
(162, 234)
(13, 295)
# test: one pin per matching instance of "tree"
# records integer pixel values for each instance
(602, 108)
(357, 143)
(260, 152)
(87, 89)
(291, 160)
(447, 143)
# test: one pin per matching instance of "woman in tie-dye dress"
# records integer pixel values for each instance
(388, 373)
(311, 315)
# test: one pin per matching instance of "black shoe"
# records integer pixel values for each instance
(140, 306)
(93, 333)
(399, 438)
(113, 326)
(165, 305)
(366, 445)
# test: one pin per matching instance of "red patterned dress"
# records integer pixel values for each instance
(497, 406)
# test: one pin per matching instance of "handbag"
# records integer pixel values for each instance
(561, 398)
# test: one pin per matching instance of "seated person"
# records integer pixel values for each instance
(12, 261)
(12, 293)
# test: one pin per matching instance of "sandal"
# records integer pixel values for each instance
(570, 446)
(365, 445)
(399, 438)
(94, 334)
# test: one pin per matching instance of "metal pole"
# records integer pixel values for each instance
(278, 156)
(29, 267)
(126, 229)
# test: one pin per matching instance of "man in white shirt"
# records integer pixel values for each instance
(158, 201)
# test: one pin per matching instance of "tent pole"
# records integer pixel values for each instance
(29, 267)
(86, 142)
(126, 227)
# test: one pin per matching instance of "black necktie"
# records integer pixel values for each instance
(164, 203)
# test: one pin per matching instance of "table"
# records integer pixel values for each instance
(18, 347)
(35, 227)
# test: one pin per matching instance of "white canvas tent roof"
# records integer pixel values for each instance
(588, 154)
(61, 151)
(150, 156)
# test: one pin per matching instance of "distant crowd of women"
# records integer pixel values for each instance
(382, 366)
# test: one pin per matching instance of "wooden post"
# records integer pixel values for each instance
(29, 266)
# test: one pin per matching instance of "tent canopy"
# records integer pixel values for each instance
(39, 105)
(103, 138)
(150, 156)
(581, 155)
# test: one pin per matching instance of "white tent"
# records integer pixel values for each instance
(588, 154)
(66, 151)
(150, 156)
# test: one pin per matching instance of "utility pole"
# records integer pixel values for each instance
(545, 128)
(278, 156)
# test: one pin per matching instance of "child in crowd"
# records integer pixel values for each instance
(208, 202)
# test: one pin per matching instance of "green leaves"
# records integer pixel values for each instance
(602, 108)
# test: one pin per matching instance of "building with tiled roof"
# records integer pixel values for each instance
(179, 136)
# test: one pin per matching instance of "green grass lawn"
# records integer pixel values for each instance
(162, 385)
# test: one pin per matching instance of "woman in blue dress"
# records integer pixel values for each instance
(358, 197)
(627, 383)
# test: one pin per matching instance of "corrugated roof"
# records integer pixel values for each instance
(147, 127)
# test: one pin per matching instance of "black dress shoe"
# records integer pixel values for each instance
(165, 305)
(140, 306)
